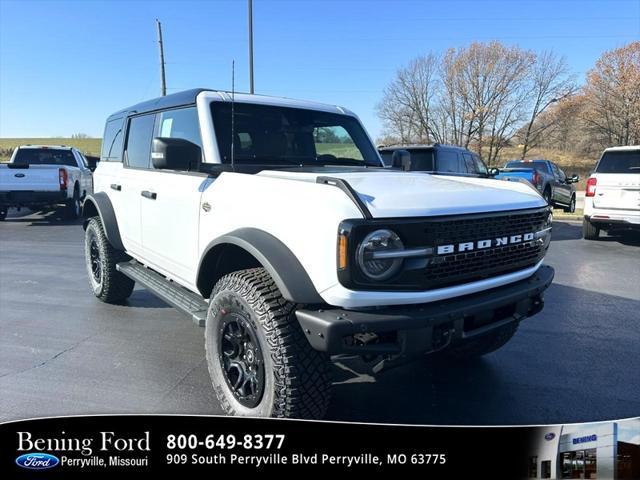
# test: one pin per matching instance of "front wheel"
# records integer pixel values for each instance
(107, 283)
(572, 206)
(259, 360)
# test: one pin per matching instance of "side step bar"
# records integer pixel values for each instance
(175, 295)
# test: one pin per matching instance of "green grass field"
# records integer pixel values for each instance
(89, 146)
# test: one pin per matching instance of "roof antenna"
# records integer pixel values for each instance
(233, 99)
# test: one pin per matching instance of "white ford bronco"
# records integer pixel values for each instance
(272, 223)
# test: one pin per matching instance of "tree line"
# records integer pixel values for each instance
(487, 96)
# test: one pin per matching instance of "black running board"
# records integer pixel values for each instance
(175, 295)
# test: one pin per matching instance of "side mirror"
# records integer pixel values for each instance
(175, 154)
(493, 171)
(401, 159)
(92, 162)
(574, 178)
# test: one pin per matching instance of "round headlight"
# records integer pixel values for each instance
(371, 258)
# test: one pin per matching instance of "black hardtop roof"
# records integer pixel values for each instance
(420, 146)
(187, 97)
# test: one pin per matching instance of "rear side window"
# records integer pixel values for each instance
(449, 161)
(140, 132)
(179, 123)
(112, 141)
(619, 162)
(45, 156)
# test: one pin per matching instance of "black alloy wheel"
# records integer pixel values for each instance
(241, 359)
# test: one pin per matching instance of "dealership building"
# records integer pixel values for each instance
(583, 451)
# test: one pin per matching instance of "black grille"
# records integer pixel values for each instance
(456, 268)
(446, 270)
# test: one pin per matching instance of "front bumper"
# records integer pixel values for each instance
(20, 198)
(423, 328)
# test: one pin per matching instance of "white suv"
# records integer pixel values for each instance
(272, 223)
(612, 199)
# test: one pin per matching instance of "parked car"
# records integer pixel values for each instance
(435, 158)
(292, 249)
(45, 176)
(554, 185)
(612, 198)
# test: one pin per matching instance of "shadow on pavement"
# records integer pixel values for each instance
(573, 231)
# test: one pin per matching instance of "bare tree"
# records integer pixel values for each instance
(612, 94)
(551, 82)
(406, 107)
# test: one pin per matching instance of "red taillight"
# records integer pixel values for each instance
(62, 176)
(536, 177)
(591, 187)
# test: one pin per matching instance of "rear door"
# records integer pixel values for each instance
(171, 211)
(134, 180)
(618, 180)
(42, 173)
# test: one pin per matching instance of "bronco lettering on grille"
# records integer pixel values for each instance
(480, 244)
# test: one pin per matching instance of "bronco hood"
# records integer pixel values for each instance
(416, 194)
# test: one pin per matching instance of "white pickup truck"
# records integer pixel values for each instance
(273, 223)
(45, 176)
(612, 198)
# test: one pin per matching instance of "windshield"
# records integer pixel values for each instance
(619, 162)
(45, 156)
(265, 134)
(539, 166)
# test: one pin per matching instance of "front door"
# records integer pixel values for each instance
(170, 208)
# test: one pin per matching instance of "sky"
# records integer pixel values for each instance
(66, 65)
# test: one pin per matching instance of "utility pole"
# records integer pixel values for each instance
(250, 46)
(163, 82)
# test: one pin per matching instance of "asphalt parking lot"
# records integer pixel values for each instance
(64, 352)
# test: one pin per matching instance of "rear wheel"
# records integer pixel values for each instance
(483, 344)
(547, 196)
(3, 214)
(260, 361)
(73, 208)
(107, 283)
(589, 230)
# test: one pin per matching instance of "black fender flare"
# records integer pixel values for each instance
(99, 204)
(283, 266)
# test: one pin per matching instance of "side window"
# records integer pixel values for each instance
(480, 166)
(335, 141)
(468, 161)
(561, 175)
(179, 123)
(140, 132)
(448, 161)
(556, 173)
(112, 141)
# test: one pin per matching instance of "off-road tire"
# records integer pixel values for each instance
(482, 345)
(73, 208)
(113, 286)
(589, 230)
(572, 205)
(296, 377)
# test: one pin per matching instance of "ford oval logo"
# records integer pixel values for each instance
(37, 461)
(19, 175)
(550, 436)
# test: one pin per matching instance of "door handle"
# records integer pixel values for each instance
(149, 195)
(115, 186)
